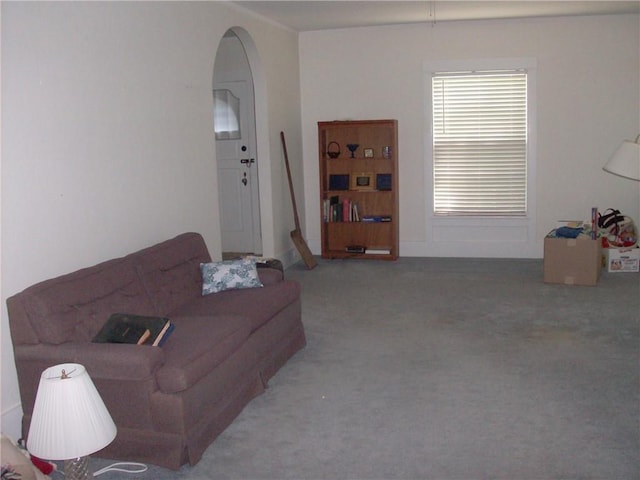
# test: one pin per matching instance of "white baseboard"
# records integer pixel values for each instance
(462, 249)
(289, 257)
(467, 249)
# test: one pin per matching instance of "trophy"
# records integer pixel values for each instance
(352, 148)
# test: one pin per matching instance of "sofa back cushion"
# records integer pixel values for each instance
(259, 305)
(170, 271)
(74, 307)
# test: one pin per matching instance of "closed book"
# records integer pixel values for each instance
(118, 323)
(376, 218)
(127, 333)
(378, 251)
(334, 204)
(165, 335)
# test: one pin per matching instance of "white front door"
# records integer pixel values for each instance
(238, 173)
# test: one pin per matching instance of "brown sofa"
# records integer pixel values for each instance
(169, 403)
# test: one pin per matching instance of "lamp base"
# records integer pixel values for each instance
(77, 469)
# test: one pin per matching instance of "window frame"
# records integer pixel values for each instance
(485, 235)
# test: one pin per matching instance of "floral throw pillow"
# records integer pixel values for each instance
(229, 274)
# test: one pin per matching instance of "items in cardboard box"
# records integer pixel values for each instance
(573, 228)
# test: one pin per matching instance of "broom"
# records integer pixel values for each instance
(296, 235)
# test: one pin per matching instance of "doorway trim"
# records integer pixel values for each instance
(263, 155)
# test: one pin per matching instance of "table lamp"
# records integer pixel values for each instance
(625, 162)
(70, 420)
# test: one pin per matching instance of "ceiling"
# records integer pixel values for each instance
(306, 15)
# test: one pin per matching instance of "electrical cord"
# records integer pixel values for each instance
(115, 467)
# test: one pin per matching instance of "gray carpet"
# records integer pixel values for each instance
(444, 369)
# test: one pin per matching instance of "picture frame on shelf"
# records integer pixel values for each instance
(339, 182)
(384, 181)
(362, 181)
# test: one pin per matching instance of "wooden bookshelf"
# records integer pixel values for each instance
(359, 192)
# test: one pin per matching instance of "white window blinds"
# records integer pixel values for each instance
(480, 143)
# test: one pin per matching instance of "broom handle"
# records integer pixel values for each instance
(293, 197)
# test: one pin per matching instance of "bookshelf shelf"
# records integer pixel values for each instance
(359, 193)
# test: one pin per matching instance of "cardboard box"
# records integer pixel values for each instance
(622, 259)
(572, 261)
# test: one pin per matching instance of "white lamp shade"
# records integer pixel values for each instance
(69, 418)
(625, 162)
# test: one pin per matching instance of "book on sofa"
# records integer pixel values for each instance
(135, 329)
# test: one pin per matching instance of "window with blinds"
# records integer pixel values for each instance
(480, 143)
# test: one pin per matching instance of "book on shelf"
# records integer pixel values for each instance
(336, 210)
(346, 210)
(135, 329)
(356, 212)
(377, 251)
(376, 218)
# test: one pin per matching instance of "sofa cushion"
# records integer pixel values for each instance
(74, 307)
(198, 345)
(229, 275)
(170, 271)
(258, 304)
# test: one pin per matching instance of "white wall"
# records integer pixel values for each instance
(588, 101)
(107, 136)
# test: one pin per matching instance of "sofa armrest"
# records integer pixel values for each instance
(269, 276)
(102, 360)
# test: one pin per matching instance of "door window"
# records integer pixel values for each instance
(226, 115)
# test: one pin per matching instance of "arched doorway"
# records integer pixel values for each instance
(236, 149)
